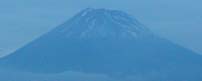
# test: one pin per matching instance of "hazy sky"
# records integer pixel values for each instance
(21, 21)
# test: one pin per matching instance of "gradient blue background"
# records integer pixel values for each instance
(21, 21)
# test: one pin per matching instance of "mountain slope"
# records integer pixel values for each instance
(106, 42)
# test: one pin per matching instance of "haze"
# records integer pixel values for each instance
(21, 21)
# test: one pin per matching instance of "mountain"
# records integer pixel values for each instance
(108, 42)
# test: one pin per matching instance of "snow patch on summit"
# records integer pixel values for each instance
(104, 23)
(86, 11)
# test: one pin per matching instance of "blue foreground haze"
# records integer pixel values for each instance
(43, 46)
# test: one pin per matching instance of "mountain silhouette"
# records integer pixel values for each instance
(106, 42)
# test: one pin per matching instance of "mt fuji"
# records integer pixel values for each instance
(107, 42)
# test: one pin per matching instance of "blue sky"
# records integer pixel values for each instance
(21, 21)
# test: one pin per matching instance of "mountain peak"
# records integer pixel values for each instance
(100, 11)
(105, 13)
(103, 23)
(108, 42)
